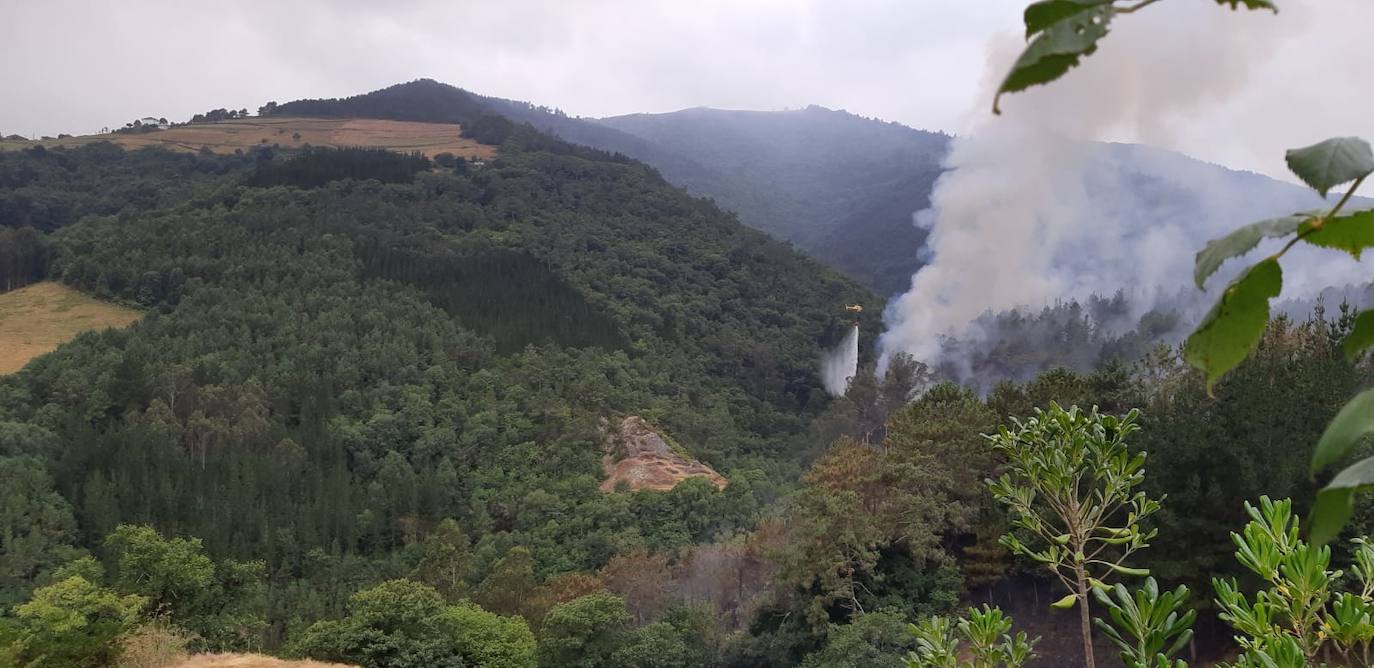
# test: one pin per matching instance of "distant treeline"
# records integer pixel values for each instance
(217, 115)
(23, 257)
(314, 167)
(51, 188)
(423, 100)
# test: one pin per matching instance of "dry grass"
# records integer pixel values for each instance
(249, 661)
(153, 645)
(36, 319)
(291, 132)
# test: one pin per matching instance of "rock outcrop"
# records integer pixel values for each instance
(639, 455)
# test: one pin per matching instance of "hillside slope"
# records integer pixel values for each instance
(428, 101)
(841, 187)
(288, 132)
(331, 366)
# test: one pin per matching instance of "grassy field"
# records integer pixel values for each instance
(38, 318)
(290, 132)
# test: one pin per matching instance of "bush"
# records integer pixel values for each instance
(153, 645)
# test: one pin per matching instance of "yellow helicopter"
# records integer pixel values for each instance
(854, 307)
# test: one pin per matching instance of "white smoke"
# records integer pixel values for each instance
(840, 364)
(1033, 209)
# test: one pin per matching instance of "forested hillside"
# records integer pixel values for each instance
(330, 365)
(434, 102)
(841, 187)
(364, 418)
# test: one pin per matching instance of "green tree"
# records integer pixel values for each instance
(877, 640)
(72, 622)
(171, 573)
(586, 632)
(1071, 485)
(861, 515)
(657, 645)
(219, 603)
(37, 529)
(512, 588)
(1282, 395)
(445, 561)
(405, 624)
(487, 639)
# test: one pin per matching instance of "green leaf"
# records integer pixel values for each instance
(1251, 4)
(1353, 423)
(1330, 163)
(1235, 324)
(1361, 335)
(1336, 501)
(1240, 242)
(1066, 602)
(1056, 49)
(1043, 14)
(1351, 233)
(1138, 572)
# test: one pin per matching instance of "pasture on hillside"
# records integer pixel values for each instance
(35, 319)
(430, 139)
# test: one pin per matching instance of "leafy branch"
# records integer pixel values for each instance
(1062, 32)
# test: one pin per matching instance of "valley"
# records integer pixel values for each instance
(422, 377)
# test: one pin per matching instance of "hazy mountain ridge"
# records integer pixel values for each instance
(841, 187)
(819, 178)
(431, 101)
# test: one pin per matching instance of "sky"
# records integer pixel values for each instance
(74, 67)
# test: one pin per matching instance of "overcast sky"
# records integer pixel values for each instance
(74, 67)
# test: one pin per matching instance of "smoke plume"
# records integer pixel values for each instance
(840, 364)
(1034, 208)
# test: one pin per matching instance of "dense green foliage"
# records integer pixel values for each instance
(480, 282)
(841, 187)
(325, 374)
(23, 257)
(314, 167)
(364, 421)
(48, 189)
(404, 624)
(75, 619)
